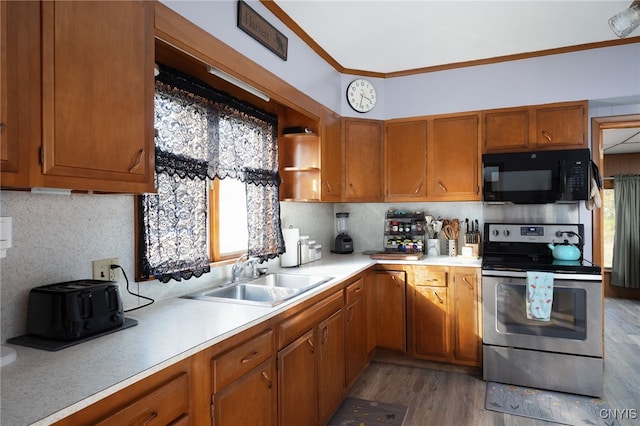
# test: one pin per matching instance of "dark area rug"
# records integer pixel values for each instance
(558, 407)
(359, 412)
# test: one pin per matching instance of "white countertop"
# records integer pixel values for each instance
(41, 387)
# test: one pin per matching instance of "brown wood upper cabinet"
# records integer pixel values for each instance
(453, 159)
(550, 126)
(331, 162)
(19, 90)
(95, 106)
(311, 163)
(362, 142)
(405, 160)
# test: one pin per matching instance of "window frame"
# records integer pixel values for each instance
(606, 184)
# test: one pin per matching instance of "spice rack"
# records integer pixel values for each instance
(404, 232)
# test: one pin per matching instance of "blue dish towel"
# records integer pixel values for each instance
(539, 295)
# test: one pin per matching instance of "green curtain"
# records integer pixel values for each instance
(625, 269)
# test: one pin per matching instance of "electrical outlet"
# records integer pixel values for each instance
(102, 269)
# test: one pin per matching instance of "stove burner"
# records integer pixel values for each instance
(508, 250)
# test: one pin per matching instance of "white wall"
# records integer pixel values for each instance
(57, 237)
(610, 72)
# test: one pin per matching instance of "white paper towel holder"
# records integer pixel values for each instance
(291, 236)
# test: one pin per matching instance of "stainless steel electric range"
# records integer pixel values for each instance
(564, 352)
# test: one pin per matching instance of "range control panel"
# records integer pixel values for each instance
(532, 233)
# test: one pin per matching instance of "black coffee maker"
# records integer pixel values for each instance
(344, 243)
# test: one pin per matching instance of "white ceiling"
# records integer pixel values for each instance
(621, 141)
(385, 36)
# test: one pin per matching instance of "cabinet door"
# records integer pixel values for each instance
(390, 310)
(297, 382)
(331, 362)
(506, 129)
(561, 126)
(453, 158)
(248, 400)
(97, 95)
(165, 398)
(356, 329)
(431, 322)
(405, 161)
(331, 163)
(363, 160)
(19, 89)
(371, 301)
(466, 311)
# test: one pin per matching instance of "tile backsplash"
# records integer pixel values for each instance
(56, 237)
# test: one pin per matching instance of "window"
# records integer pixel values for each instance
(229, 233)
(202, 136)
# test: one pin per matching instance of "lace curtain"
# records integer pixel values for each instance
(205, 134)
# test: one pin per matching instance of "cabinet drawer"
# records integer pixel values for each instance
(355, 291)
(167, 405)
(233, 364)
(292, 328)
(430, 277)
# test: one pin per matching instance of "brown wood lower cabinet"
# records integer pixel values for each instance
(390, 309)
(444, 314)
(295, 369)
(311, 370)
(331, 364)
(356, 351)
(245, 377)
(466, 311)
(164, 398)
(298, 382)
(249, 400)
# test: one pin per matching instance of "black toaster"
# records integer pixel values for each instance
(74, 309)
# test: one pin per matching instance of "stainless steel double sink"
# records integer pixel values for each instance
(266, 290)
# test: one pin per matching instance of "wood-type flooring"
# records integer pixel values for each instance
(456, 397)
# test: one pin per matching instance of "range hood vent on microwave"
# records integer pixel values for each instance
(536, 177)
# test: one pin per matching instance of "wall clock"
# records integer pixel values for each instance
(361, 95)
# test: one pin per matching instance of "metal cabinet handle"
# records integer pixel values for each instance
(418, 188)
(350, 317)
(467, 282)
(441, 185)
(325, 335)
(326, 182)
(137, 161)
(353, 188)
(151, 417)
(311, 347)
(249, 358)
(547, 136)
(438, 297)
(266, 378)
(395, 280)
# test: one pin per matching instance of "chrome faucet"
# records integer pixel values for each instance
(240, 268)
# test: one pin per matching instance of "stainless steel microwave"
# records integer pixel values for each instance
(538, 177)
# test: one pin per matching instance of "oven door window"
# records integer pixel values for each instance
(568, 313)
